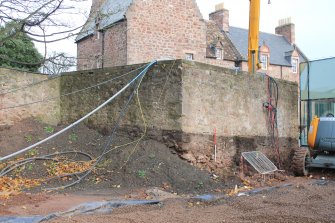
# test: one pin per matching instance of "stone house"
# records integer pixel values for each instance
(123, 32)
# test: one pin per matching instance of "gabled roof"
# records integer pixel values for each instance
(280, 48)
(215, 37)
(110, 12)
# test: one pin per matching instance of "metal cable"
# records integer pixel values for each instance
(108, 143)
(70, 93)
(81, 119)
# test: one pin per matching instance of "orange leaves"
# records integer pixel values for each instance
(12, 186)
(59, 167)
(66, 167)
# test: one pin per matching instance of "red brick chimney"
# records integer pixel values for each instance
(287, 29)
(220, 17)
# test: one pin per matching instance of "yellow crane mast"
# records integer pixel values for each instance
(253, 37)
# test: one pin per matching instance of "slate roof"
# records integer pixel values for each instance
(111, 11)
(280, 48)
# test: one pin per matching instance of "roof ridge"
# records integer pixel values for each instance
(259, 31)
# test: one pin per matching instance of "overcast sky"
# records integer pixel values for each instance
(313, 21)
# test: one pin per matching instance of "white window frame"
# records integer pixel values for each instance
(219, 53)
(264, 61)
(189, 56)
(295, 65)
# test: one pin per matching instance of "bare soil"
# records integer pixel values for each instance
(150, 164)
(153, 164)
(303, 202)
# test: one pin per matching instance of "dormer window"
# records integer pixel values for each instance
(219, 53)
(295, 64)
(264, 52)
(264, 61)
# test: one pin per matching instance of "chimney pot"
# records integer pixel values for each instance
(287, 29)
(219, 7)
(220, 17)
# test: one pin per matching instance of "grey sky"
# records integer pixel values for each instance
(313, 20)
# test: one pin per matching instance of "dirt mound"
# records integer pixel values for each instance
(148, 164)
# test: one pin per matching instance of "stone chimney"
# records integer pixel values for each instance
(287, 29)
(220, 17)
(96, 5)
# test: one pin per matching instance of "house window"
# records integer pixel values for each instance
(189, 56)
(219, 53)
(264, 62)
(295, 63)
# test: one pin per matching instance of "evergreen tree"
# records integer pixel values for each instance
(18, 51)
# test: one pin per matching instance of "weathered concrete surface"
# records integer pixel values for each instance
(11, 79)
(183, 102)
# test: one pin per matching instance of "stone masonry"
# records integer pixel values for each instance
(182, 102)
(42, 89)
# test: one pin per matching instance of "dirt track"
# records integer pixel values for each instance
(303, 202)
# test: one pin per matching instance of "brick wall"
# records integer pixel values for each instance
(287, 30)
(106, 49)
(115, 47)
(88, 52)
(13, 79)
(165, 28)
(153, 30)
(221, 18)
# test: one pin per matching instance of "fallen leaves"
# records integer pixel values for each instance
(12, 186)
(62, 168)
(66, 167)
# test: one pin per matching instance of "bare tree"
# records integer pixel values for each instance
(58, 63)
(44, 21)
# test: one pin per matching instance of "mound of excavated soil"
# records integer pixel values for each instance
(151, 163)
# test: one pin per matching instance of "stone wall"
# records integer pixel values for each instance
(183, 102)
(161, 104)
(10, 80)
(215, 97)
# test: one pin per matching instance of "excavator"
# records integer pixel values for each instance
(321, 147)
(319, 152)
(317, 108)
